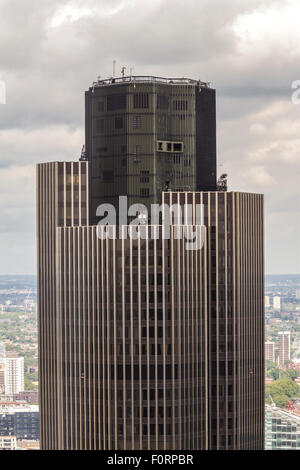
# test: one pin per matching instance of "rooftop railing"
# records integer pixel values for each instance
(150, 79)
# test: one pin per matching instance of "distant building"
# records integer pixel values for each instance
(2, 378)
(267, 301)
(276, 303)
(2, 352)
(282, 429)
(14, 375)
(298, 294)
(8, 443)
(270, 351)
(20, 422)
(31, 397)
(284, 347)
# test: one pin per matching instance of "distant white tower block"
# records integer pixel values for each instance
(14, 375)
(2, 352)
(276, 303)
(270, 351)
(2, 92)
(284, 347)
(267, 301)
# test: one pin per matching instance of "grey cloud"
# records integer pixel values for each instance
(47, 69)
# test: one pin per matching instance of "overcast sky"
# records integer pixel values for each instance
(52, 50)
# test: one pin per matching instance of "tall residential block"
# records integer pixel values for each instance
(2, 352)
(284, 347)
(270, 351)
(276, 303)
(14, 375)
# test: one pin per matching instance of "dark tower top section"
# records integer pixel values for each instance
(206, 148)
(146, 135)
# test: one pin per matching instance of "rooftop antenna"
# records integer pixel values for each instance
(114, 68)
(123, 71)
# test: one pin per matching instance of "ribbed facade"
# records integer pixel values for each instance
(132, 342)
(235, 296)
(61, 200)
(144, 344)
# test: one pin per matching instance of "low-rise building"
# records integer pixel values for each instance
(8, 443)
(282, 429)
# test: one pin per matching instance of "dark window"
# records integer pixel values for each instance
(178, 147)
(102, 149)
(100, 125)
(162, 101)
(144, 192)
(108, 175)
(180, 105)
(115, 102)
(101, 106)
(119, 122)
(141, 100)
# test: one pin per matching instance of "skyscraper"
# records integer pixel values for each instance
(284, 347)
(143, 343)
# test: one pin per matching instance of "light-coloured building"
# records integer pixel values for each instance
(284, 347)
(14, 375)
(267, 301)
(298, 294)
(276, 303)
(2, 352)
(8, 443)
(282, 429)
(2, 378)
(270, 351)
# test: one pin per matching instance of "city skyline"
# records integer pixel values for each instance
(254, 98)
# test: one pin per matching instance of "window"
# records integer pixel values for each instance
(144, 192)
(180, 105)
(162, 101)
(100, 106)
(141, 100)
(177, 147)
(137, 122)
(167, 146)
(102, 149)
(144, 179)
(115, 102)
(108, 175)
(119, 122)
(137, 150)
(100, 125)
